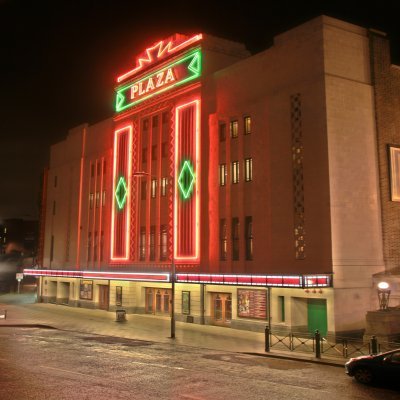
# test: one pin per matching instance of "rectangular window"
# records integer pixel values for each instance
(95, 247)
(222, 132)
(394, 155)
(249, 237)
(145, 124)
(92, 170)
(235, 239)
(104, 198)
(155, 121)
(118, 295)
(235, 171)
(248, 169)
(223, 243)
(152, 243)
(97, 199)
(164, 183)
(143, 189)
(89, 247)
(163, 243)
(153, 188)
(247, 125)
(164, 149)
(281, 308)
(233, 127)
(101, 245)
(165, 117)
(222, 174)
(142, 244)
(91, 200)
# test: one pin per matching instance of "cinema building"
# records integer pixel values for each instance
(255, 186)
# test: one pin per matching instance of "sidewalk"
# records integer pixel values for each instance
(22, 312)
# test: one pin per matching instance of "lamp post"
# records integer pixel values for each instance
(140, 174)
(383, 295)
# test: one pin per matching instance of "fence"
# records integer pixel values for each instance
(331, 347)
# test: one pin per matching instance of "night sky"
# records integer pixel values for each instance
(59, 60)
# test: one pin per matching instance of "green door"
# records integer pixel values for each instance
(317, 318)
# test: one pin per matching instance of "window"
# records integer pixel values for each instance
(51, 248)
(92, 170)
(233, 127)
(153, 188)
(222, 132)
(163, 242)
(144, 155)
(249, 237)
(89, 247)
(235, 239)
(394, 155)
(97, 199)
(247, 125)
(281, 308)
(154, 152)
(164, 183)
(101, 245)
(235, 171)
(91, 200)
(223, 242)
(95, 247)
(54, 207)
(142, 244)
(165, 117)
(155, 121)
(145, 124)
(152, 243)
(104, 198)
(248, 169)
(222, 174)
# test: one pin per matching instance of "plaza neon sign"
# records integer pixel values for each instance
(181, 71)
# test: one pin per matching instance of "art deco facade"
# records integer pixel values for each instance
(261, 180)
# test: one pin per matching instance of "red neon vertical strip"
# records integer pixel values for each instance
(120, 219)
(187, 213)
(78, 241)
(100, 213)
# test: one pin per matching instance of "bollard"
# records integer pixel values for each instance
(374, 345)
(317, 344)
(267, 344)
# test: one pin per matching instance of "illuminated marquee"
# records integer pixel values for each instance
(181, 71)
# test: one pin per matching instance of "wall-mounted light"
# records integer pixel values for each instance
(383, 295)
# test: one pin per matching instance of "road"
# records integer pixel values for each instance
(55, 365)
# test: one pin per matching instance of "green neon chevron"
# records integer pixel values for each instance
(121, 192)
(195, 65)
(186, 179)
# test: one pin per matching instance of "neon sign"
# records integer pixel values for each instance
(121, 192)
(186, 179)
(181, 71)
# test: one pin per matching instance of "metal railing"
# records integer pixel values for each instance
(325, 346)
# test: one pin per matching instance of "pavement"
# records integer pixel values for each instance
(22, 310)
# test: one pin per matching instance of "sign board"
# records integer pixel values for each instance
(20, 276)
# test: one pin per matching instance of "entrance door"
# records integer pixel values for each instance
(317, 316)
(158, 301)
(221, 308)
(103, 297)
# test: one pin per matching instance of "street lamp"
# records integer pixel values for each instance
(383, 295)
(147, 174)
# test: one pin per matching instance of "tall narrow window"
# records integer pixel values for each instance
(54, 207)
(235, 239)
(155, 121)
(281, 308)
(142, 244)
(235, 171)
(152, 243)
(165, 117)
(144, 155)
(91, 170)
(143, 189)
(222, 132)
(164, 182)
(164, 149)
(223, 243)
(101, 245)
(145, 124)
(97, 199)
(95, 246)
(249, 237)
(153, 188)
(89, 247)
(233, 127)
(247, 125)
(222, 174)
(154, 152)
(51, 248)
(394, 155)
(91, 200)
(163, 242)
(103, 202)
(248, 169)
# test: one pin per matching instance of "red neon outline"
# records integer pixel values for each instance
(78, 245)
(197, 186)
(128, 210)
(162, 51)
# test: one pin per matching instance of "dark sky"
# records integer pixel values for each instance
(59, 60)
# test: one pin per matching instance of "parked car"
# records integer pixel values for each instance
(368, 369)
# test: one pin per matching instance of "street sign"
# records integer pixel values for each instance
(20, 276)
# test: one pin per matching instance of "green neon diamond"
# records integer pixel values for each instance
(121, 192)
(186, 179)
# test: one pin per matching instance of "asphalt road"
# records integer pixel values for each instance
(53, 364)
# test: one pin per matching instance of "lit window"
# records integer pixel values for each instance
(222, 174)
(104, 198)
(394, 153)
(247, 125)
(223, 244)
(248, 169)
(97, 199)
(235, 172)
(153, 188)
(164, 183)
(233, 126)
(163, 242)
(142, 244)
(91, 200)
